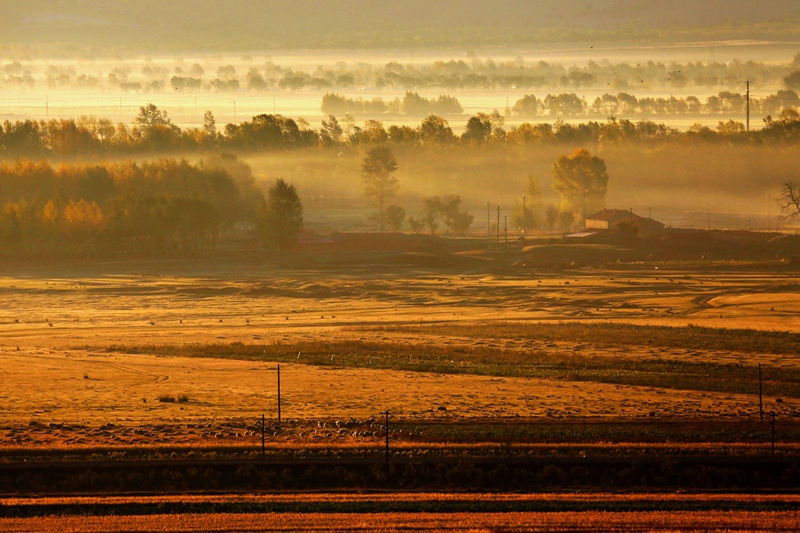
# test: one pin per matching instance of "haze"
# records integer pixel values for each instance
(375, 265)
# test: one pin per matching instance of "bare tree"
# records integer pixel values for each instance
(789, 200)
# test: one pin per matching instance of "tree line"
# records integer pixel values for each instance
(411, 104)
(153, 132)
(571, 105)
(624, 104)
(473, 74)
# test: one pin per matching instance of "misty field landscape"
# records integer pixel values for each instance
(427, 266)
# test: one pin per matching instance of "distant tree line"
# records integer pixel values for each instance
(153, 132)
(473, 74)
(624, 104)
(411, 104)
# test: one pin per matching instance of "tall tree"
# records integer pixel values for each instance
(581, 180)
(282, 217)
(380, 184)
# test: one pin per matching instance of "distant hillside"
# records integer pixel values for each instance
(212, 25)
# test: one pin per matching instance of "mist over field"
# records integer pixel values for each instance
(446, 265)
(476, 101)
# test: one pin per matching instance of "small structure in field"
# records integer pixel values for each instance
(615, 219)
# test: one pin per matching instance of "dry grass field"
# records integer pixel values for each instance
(627, 519)
(572, 522)
(98, 346)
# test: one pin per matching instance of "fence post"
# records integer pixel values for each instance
(279, 394)
(760, 397)
(387, 446)
(773, 432)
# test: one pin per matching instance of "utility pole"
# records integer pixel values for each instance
(498, 226)
(279, 394)
(748, 105)
(760, 397)
(769, 212)
(488, 220)
(387, 446)
(773, 432)
(524, 215)
(263, 446)
(505, 227)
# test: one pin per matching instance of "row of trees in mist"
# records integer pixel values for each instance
(571, 105)
(411, 104)
(154, 132)
(626, 105)
(474, 74)
(157, 209)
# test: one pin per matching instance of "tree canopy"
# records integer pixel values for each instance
(582, 181)
(282, 217)
(377, 172)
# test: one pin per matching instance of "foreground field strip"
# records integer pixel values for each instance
(392, 496)
(393, 502)
(292, 449)
(431, 474)
(378, 460)
(488, 361)
(576, 522)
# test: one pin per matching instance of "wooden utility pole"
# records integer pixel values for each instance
(760, 397)
(524, 215)
(263, 430)
(488, 220)
(498, 226)
(773, 432)
(279, 394)
(748, 105)
(387, 446)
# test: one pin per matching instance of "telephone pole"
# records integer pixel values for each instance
(488, 220)
(748, 105)
(769, 212)
(498, 226)
(279, 394)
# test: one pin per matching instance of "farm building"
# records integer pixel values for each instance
(609, 219)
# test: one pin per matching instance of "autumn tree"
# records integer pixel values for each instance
(457, 221)
(377, 171)
(395, 215)
(282, 217)
(582, 181)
